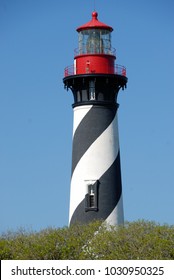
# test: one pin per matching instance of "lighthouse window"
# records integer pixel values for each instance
(78, 96)
(91, 198)
(106, 37)
(95, 41)
(92, 90)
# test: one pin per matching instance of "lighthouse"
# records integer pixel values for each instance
(95, 80)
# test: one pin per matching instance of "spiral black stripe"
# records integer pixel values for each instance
(110, 190)
(89, 129)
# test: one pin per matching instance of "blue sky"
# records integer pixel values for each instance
(37, 41)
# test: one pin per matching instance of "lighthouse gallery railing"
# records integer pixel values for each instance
(118, 70)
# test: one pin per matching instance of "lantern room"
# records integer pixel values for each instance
(94, 41)
(94, 37)
(94, 54)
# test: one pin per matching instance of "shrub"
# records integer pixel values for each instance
(135, 240)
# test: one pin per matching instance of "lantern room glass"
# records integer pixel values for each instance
(95, 41)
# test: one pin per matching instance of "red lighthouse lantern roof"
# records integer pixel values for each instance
(94, 23)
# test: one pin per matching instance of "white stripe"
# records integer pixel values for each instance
(79, 114)
(94, 163)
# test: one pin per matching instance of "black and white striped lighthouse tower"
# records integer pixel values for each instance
(95, 80)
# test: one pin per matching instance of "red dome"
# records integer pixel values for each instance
(94, 23)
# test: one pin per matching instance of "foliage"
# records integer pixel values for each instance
(136, 240)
